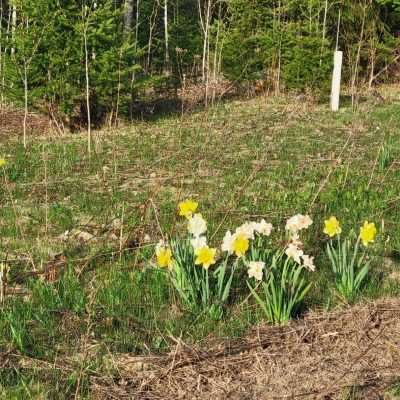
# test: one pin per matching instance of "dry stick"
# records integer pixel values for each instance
(24, 75)
(373, 169)
(118, 91)
(36, 363)
(121, 233)
(152, 23)
(166, 36)
(7, 33)
(25, 101)
(333, 168)
(323, 32)
(44, 156)
(389, 170)
(89, 132)
(357, 61)
(347, 168)
(3, 282)
(86, 339)
(157, 220)
(386, 68)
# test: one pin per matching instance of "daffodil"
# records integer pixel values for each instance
(256, 270)
(298, 222)
(3, 162)
(367, 233)
(247, 229)
(187, 208)
(332, 227)
(227, 242)
(198, 242)
(164, 257)
(308, 262)
(263, 228)
(205, 256)
(240, 244)
(197, 225)
(292, 251)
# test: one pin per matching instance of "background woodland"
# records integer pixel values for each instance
(110, 57)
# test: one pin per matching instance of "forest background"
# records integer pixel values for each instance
(110, 57)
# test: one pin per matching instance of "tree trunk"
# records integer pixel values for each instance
(128, 16)
(13, 27)
(324, 31)
(166, 36)
(152, 24)
(357, 60)
(1, 54)
(89, 122)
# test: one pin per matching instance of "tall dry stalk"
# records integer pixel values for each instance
(166, 36)
(354, 76)
(89, 122)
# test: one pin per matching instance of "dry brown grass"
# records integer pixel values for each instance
(323, 356)
(12, 119)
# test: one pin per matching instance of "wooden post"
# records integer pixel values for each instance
(337, 75)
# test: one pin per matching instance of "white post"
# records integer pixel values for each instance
(337, 75)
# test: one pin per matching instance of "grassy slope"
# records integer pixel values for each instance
(240, 160)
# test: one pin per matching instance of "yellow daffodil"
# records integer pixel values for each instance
(240, 244)
(3, 162)
(164, 257)
(187, 208)
(205, 256)
(367, 233)
(332, 227)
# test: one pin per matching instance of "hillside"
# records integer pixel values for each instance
(78, 233)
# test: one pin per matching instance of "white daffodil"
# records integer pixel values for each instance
(256, 269)
(199, 242)
(292, 251)
(295, 239)
(298, 222)
(263, 228)
(197, 225)
(247, 229)
(305, 221)
(308, 262)
(292, 224)
(227, 242)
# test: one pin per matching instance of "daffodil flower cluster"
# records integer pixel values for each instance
(367, 233)
(202, 275)
(294, 249)
(197, 227)
(348, 265)
(238, 244)
(281, 274)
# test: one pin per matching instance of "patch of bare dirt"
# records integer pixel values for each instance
(323, 356)
(12, 120)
